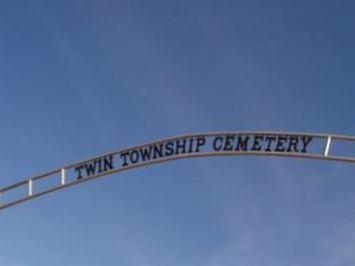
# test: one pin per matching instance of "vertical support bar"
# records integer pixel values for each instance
(63, 177)
(0, 199)
(30, 187)
(327, 146)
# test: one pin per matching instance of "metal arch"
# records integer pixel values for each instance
(65, 180)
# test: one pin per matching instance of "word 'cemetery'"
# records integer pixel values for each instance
(287, 144)
(230, 143)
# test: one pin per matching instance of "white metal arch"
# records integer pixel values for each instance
(287, 144)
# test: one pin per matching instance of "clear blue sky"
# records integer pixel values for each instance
(79, 78)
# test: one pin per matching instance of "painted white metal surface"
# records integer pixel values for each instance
(327, 146)
(64, 181)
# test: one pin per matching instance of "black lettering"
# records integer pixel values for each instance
(292, 145)
(306, 140)
(99, 162)
(78, 170)
(123, 156)
(145, 153)
(242, 143)
(280, 144)
(180, 146)
(134, 156)
(200, 142)
(228, 144)
(158, 151)
(191, 142)
(90, 168)
(269, 140)
(169, 148)
(108, 163)
(216, 146)
(257, 145)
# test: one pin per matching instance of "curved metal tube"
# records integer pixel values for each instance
(266, 143)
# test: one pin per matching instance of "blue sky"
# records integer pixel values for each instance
(79, 78)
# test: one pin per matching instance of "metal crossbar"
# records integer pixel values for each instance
(106, 163)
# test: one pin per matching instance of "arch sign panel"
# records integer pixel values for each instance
(296, 145)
